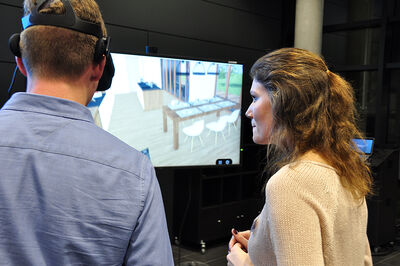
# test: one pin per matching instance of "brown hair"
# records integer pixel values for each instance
(313, 109)
(54, 52)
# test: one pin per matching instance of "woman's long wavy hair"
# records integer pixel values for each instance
(313, 110)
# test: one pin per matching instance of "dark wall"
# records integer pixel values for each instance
(195, 27)
(10, 13)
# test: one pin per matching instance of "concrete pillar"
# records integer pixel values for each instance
(308, 25)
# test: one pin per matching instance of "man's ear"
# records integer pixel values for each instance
(21, 65)
(97, 69)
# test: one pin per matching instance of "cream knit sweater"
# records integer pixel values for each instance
(309, 219)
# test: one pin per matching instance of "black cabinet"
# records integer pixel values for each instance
(210, 202)
(382, 205)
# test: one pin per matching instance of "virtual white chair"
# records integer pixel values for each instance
(193, 131)
(217, 126)
(231, 119)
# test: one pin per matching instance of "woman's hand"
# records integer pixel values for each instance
(239, 237)
(237, 257)
(238, 249)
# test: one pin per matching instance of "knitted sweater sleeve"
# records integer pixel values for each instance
(367, 257)
(294, 214)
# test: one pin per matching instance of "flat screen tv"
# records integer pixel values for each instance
(179, 112)
(365, 146)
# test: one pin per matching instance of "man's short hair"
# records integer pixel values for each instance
(58, 53)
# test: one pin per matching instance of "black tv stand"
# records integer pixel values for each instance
(382, 206)
(219, 200)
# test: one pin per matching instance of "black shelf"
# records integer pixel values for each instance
(211, 202)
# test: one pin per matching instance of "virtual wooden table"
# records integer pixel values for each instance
(185, 111)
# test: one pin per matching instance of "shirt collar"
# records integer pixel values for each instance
(44, 104)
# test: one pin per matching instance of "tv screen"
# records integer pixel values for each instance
(179, 112)
(365, 145)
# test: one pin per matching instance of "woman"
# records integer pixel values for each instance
(315, 211)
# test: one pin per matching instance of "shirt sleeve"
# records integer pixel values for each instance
(367, 257)
(294, 225)
(150, 243)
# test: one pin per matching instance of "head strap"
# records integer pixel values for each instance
(68, 20)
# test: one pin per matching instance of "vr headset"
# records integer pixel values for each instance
(71, 21)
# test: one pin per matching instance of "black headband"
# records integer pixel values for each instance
(68, 20)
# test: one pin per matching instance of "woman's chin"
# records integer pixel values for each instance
(260, 141)
(256, 140)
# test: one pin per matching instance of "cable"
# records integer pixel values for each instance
(12, 82)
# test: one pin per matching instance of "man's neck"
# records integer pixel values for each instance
(72, 91)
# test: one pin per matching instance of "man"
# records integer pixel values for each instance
(70, 193)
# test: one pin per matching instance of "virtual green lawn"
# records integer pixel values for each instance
(235, 83)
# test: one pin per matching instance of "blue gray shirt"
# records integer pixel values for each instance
(71, 193)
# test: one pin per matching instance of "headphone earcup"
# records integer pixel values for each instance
(13, 43)
(108, 74)
(99, 50)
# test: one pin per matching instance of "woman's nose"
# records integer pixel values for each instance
(249, 113)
